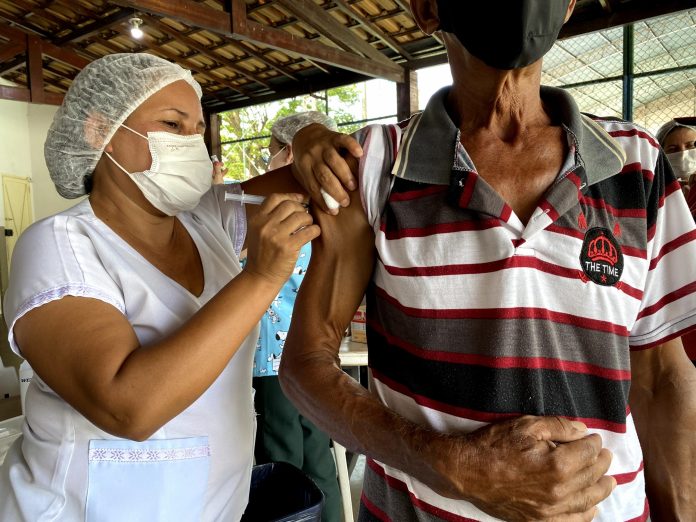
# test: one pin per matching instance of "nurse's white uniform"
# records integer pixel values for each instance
(197, 466)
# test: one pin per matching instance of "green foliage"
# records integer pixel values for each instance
(247, 131)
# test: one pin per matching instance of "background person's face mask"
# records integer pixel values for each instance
(683, 163)
(504, 35)
(181, 171)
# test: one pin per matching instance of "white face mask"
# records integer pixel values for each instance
(272, 163)
(683, 163)
(180, 174)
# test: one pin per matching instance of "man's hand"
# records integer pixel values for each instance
(528, 468)
(319, 164)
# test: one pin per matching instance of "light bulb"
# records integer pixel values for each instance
(135, 31)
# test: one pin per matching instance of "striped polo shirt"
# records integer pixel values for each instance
(474, 317)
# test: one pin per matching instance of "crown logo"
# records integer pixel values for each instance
(601, 249)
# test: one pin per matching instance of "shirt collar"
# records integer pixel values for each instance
(430, 148)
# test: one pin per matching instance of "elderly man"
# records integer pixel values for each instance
(526, 267)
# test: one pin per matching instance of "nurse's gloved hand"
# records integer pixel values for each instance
(320, 167)
(275, 235)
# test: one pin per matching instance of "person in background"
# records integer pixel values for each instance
(134, 312)
(283, 433)
(529, 271)
(678, 139)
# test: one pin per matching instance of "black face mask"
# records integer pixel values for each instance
(504, 35)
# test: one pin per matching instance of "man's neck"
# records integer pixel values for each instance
(504, 103)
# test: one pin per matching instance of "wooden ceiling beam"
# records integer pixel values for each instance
(94, 27)
(372, 28)
(184, 11)
(65, 55)
(260, 57)
(239, 27)
(62, 54)
(157, 49)
(24, 95)
(14, 93)
(190, 42)
(21, 23)
(10, 50)
(309, 12)
(40, 12)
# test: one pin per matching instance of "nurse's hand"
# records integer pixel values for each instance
(276, 233)
(320, 165)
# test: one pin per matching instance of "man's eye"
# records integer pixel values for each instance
(171, 124)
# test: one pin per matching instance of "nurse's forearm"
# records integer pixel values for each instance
(174, 372)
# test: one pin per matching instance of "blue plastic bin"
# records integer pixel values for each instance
(282, 493)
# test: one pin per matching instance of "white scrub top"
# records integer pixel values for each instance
(198, 465)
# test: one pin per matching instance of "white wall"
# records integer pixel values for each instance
(23, 128)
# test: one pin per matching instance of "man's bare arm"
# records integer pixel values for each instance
(663, 403)
(509, 469)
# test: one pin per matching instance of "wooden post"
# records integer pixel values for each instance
(407, 95)
(212, 134)
(35, 69)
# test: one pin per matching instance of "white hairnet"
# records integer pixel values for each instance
(285, 129)
(667, 128)
(100, 98)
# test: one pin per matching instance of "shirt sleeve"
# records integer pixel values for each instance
(380, 145)
(668, 304)
(52, 259)
(230, 214)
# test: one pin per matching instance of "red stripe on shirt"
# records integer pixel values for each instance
(508, 313)
(632, 168)
(635, 132)
(640, 253)
(625, 478)
(399, 485)
(440, 228)
(496, 266)
(644, 516)
(549, 209)
(535, 363)
(468, 190)
(667, 299)
(415, 194)
(482, 416)
(616, 212)
(672, 246)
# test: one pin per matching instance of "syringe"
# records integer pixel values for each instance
(244, 198)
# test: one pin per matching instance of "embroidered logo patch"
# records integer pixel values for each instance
(601, 257)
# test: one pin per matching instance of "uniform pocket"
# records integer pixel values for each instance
(154, 480)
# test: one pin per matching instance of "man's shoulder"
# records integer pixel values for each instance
(619, 128)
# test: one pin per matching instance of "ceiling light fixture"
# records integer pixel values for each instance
(135, 31)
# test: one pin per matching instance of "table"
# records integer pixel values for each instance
(352, 355)
(10, 430)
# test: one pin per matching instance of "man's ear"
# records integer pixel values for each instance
(425, 14)
(569, 12)
(289, 158)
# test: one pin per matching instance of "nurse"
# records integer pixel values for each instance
(135, 313)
